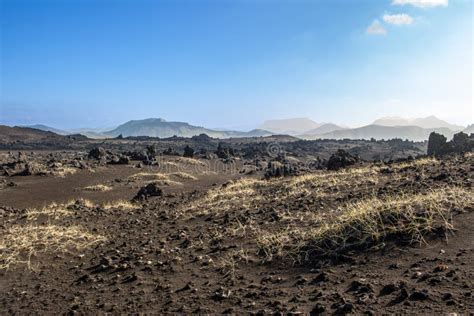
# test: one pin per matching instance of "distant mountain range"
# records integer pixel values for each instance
(293, 126)
(45, 128)
(31, 138)
(424, 122)
(305, 128)
(158, 127)
(417, 129)
(321, 130)
(378, 132)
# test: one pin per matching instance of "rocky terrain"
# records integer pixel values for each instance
(249, 225)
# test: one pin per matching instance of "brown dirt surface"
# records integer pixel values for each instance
(377, 237)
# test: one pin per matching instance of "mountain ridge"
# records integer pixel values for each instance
(423, 122)
(158, 127)
(323, 129)
(291, 126)
(47, 128)
(414, 133)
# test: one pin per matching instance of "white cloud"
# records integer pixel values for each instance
(376, 28)
(422, 3)
(398, 19)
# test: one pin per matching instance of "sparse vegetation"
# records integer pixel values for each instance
(164, 182)
(367, 222)
(21, 242)
(238, 193)
(184, 175)
(250, 192)
(428, 161)
(53, 210)
(120, 204)
(63, 171)
(190, 161)
(163, 178)
(98, 188)
(149, 176)
(242, 233)
(57, 210)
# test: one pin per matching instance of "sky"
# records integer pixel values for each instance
(234, 63)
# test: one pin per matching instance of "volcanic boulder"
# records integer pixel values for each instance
(437, 144)
(170, 152)
(224, 152)
(279, 169)
(97, 153)
(24, 169)
(151, 152)
(140, 155)
(13, 168)
(341, 159)
(147, 191)
(204, 138)
(461, 142)
(188, 152)
(119, 160)
(34, 169)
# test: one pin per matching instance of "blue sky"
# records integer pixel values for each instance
(234, 63)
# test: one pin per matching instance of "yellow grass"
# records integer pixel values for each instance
(190, 161)
(324, 181)
(249, 192)
(56, 210)
(162, 178)
(368, 222)
(63, 171)
(429, 161)
(19, 243)
(164, 182)
(120, 204)
(85, 202)
(183, 175)
(98, 188)
(170, 164)
(149, 176)
(235, 194)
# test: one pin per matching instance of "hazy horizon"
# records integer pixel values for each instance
(234, 64)
(223, 128)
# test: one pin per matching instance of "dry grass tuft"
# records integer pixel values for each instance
(63, 171)
(163, 178)
(369, 222)
(249, 192)
(164, 182)
(169, 164)
(53, 211)
(98, 188)
(327, 182)
(57, 210)
(190, 161)
(240, 193)
(229, 264)
(120, 204)
(20, 243)
(149, 176)
(421, 162)
(83, 202)
(183, 175)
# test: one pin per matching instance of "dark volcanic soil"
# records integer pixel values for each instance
(196, 248)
